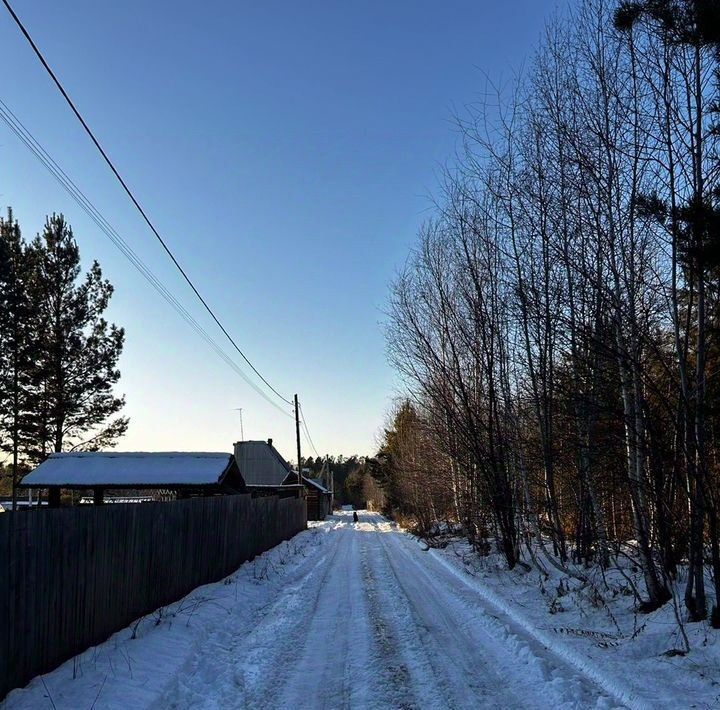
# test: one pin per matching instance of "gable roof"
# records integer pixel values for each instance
(260, 463)
(130, 470)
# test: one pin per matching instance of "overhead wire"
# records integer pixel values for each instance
(134, 200)
(27, 138)
(307, 431)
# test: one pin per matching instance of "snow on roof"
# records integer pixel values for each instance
(317, 482)
(260, 463)
(129, 470)
(274, 488)
(313, 482)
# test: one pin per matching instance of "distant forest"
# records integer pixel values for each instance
(349, 476)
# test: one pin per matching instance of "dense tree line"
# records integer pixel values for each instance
(348, 475)
(58, 354)
(558, 321)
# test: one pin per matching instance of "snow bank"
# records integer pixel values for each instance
(594, 628)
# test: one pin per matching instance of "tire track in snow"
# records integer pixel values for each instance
(371, 621)
(332, 670)
(329, 652)
(270, 652)
(232, 661)
(410, 667)
(392, 667)
(461, 668)
(549, 679)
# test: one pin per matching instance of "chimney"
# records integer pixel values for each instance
(269, 442)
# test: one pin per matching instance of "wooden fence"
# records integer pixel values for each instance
(71, 577)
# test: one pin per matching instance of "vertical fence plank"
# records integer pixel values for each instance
(5, 562)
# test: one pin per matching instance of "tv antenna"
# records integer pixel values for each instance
(242, 433)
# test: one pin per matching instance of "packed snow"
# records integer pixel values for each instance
(361, 615)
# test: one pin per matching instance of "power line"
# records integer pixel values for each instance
(307, 431)
(130, 194)
(44, 157)
(26, 137)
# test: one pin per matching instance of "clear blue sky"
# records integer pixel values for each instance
(287, 152)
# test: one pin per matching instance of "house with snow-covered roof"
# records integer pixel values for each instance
(266, 472)
(179, 474)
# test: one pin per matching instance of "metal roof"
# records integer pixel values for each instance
(260, 463)
(130, 470)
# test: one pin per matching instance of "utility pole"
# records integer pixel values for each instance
(297, 437)
(331, 483)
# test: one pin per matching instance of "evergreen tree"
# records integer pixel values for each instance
(77, 351)
(18, 321)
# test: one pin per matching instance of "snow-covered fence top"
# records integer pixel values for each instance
(73, 576)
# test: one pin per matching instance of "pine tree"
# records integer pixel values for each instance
(18, 318)
(77, 351)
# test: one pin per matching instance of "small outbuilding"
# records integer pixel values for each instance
(319, 498)
(177, 474)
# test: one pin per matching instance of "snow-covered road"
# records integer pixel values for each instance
(350, 615)
(376, 622)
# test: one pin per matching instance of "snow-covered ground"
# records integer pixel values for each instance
(360, 615)
(593, 623)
